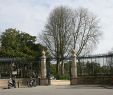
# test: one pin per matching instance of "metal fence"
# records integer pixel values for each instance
(18, 67)
(95, 69)
(95, 65)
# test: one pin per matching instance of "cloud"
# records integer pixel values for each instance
(22, 15)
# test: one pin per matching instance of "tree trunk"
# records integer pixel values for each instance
(62, 67)
(57, 69)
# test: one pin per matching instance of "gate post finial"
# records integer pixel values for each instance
(43, 53)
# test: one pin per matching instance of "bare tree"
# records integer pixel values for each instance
(69, 29)
(57, 36)
(85, 31)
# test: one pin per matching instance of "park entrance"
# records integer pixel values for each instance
(60, 78)
(93, 69)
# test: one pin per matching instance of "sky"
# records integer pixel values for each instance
(31, 16)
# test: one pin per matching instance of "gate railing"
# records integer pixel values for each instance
(19, 67)
(96, 65)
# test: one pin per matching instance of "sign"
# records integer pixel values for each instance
(14, 72)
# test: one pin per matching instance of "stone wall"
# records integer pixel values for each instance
(103, 80)
(3, 83)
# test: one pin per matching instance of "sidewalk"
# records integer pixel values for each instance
(59, 90)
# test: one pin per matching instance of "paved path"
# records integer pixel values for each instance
(58, 90)
(60, 82)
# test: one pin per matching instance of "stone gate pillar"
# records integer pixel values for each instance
(43, 79)
(73, 80)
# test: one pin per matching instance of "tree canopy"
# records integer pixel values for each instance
(15, 43)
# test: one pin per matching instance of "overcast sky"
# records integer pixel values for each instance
(31, 15)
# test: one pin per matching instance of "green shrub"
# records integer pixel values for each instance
(65, 77)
